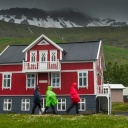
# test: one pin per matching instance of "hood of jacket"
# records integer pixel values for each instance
(74, 84)
(49, 88)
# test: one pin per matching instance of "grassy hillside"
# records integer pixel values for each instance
(115, 40)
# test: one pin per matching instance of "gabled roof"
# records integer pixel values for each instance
(39, 39)
(12, 54)
(81, 51)
(78, 51)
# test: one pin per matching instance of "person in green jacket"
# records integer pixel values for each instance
(51, 100)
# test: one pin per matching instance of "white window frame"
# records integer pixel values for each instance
(7, 82)
(55, 76)
(25, 104)
(82, 103)
(61, 102)
(31, 79)
(82, 77)
(53, 58)
(40, 57)
(7, 105)
(35, 57)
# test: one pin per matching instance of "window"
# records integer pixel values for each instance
(25, 104)
(55, 79)
(82, 79)
(82, 104)
(6, 84)
(53, 56)
(31, 80)
(61, 105)
(33, 55)
(7, 106)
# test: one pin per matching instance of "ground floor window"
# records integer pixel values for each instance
(61, 106)
(25, 104)
(82, 104)
(7, 106)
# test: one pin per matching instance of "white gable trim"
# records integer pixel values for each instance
(4, 50)
(35, 42)
(99, 50)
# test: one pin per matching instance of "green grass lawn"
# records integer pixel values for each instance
(62, 121)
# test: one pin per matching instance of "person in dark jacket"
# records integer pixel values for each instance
(74, 98)
(36, 100)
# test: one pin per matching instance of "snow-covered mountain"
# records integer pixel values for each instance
(64, 18)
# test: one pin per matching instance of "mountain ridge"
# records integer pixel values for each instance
(64, 18)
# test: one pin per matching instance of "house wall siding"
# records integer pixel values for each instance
(16, 104)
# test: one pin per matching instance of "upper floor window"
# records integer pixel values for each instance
(53, 55)
(6, 82)
(82, 79)
(7, 106)
(33, 56)
(82, 104)
(55, 79)
(31, 80)
(25, 104)
(43, 56)
(61, 105)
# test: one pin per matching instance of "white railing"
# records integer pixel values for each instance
(103, 90)
(40, 66)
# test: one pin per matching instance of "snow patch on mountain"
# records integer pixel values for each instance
(55, 19)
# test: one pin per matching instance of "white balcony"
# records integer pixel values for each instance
(48, 66)
(103, 90)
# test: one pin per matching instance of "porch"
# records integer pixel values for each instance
(103, 98)
(48, 66)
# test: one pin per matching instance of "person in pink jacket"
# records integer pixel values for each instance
(75, 99)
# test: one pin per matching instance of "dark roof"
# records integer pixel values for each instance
(13, 54)
(79, 51)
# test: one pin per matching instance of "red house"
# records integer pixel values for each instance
(44, 63)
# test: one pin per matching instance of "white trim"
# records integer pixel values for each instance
(26, 56)
(95, 77)
(76, 61)
(37, 41)
(7, 73)
(33, 51)
(98, 53)
(43, 42)
(4, 50)
(81, 71)
(77, 70)
(60, 55)
(15, 72)
(53, 51)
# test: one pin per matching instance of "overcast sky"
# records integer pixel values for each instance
(117, 9)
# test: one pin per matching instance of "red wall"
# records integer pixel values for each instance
(43, 47)
(73, 66)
